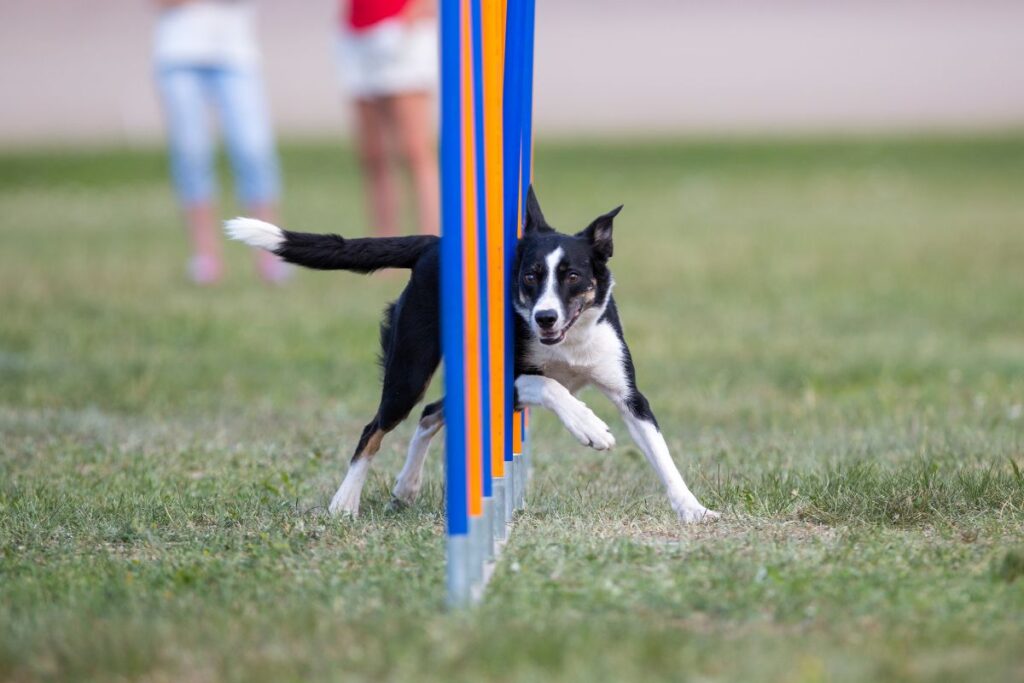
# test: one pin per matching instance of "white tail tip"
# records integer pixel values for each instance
(255, 233)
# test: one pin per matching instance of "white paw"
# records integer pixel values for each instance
(587, 427)
(695, 514)
(406, 492)
(344, 503)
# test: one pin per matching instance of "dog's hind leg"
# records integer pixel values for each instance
(398, 401)
(410, 479)
(412, 352)
(346, 499)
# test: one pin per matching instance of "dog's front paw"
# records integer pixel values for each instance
(696, 514)
(587, 427)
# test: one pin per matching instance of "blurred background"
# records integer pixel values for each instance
(819, 271)
(80, 70)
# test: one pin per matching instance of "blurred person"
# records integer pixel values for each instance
(206, 56)
(388, 58)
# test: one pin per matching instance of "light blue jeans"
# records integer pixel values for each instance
(187, 92)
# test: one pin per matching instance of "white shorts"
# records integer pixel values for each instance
(389, 58)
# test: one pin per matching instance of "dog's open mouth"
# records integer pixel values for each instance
(552, 337)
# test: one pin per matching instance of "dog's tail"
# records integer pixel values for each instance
(331, 252)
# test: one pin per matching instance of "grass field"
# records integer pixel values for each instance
(831, 333)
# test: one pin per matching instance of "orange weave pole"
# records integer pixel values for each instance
(471, 269)
(493, 73)
(517, 432)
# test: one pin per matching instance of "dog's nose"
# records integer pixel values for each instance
(546, 319)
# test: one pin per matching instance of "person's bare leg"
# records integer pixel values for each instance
(415, 129)
(206, 266)
(183, 95)
(271, 268)
(378, 174)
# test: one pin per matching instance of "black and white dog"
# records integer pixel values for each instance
(567, 336)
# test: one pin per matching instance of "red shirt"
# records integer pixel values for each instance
(363, 14)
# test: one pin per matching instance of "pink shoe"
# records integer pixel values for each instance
(204, 269)
(273, 270)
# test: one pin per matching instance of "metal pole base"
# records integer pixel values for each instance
(476, 551)
(510, 491)
(458, 572)
(498, 519)
(517, 468)
(487, 532)
(514, 483)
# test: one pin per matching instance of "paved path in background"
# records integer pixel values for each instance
(79, 69)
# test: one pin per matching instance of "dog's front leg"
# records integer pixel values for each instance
(643, 427)
(580, 420)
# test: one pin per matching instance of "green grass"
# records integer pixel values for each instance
(832, 335)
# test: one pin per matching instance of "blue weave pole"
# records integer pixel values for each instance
(512, 115)
(453, 331)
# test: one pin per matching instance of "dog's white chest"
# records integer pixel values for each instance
(590, 353)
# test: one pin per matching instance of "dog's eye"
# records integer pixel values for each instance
(530, 279)
(573, 277)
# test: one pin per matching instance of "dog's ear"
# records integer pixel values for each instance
(534, 218)
(599, 234)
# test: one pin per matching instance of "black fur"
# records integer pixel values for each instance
(410, 344)
(559, 280)
(410, 335)
(360, 254)
(432, 409)
(636, 401)
(583, 278)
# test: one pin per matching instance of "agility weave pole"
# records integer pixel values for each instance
(486, 165)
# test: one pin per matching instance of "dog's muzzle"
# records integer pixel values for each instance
(546, 320)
